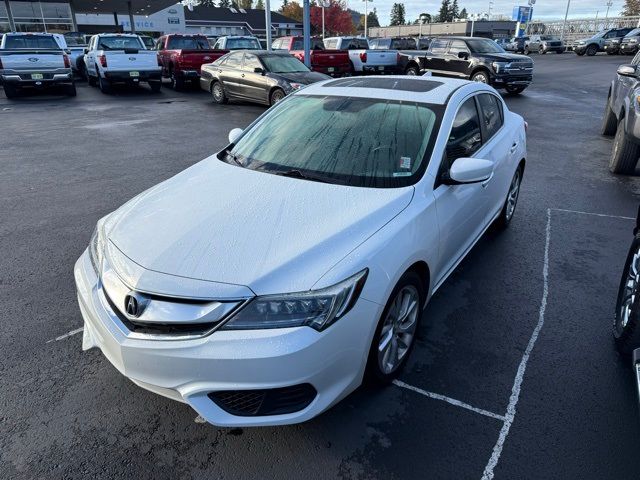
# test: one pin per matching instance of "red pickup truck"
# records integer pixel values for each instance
(181, 57)
(331, 62)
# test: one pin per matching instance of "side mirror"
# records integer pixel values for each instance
(258, 70)
(86, 50)
(627, 70)
(470, 170)
(463, 55)
(234, 135)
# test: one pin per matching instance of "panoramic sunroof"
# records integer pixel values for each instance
(405, 84)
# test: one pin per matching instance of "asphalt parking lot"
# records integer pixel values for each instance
(514, 374)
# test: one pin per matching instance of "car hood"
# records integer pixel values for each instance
(222, 223)
(305, 78)
(504, 57)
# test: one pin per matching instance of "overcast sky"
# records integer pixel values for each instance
(542, 9)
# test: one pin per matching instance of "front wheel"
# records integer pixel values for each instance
(480, 77)
(515, 89)
(395, 334)
(592, 50)
(276, 96)
(542, 51)
(412, 71)
(609, 120)
(626, 327)
(177, 83)
(580, 54)
(624, 156)
(509, 207)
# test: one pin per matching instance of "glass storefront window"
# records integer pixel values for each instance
(53, 17)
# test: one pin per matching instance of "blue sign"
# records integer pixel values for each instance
(521, 14)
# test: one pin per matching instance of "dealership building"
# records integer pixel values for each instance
(154, 17)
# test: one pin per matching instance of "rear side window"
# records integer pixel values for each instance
(439, 45)
(465, 138)
(297, 44)
(491, 114)
(331, 44)
(234, 60)
(30, 41)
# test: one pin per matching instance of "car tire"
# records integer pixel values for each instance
(217, 91)
(591, 50)
(580, 54)
(609, 120)
(276, 96)
(412, 71)
(511, 202)
(515, 90)
(177, 83)
(155, 86)
(624, 156)
(542, 51)
(104, 84)
(10, 91)
(92, 81)
(481, 76)
(393, 335)
(626, 326)
(71, 90)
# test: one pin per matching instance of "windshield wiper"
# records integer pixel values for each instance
(298, 174)
(235, 159)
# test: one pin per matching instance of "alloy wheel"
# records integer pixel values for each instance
(399, 329)
(480, 78)
(512, 197)
(630, 291)
(218, 94)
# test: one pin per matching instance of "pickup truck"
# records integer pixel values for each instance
(334, 63)
(75, 44)
(34, 61)
(477, 59)
(181, 57)
(121, 58)
(364, 60)
(237, 43)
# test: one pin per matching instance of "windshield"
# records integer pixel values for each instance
(30, 41)
(148, 42)
(633, 33)
(343, 140)
(483, 45)
(548, 38)
(283, 64)
(315, 44)
(242, 44)
(120, 43)
(188, 43)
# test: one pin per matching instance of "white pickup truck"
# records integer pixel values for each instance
(121, 58)
(34, 61)
(363, 59)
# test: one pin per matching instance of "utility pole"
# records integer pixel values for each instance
(564, 24)
(267, 22)
(366, 17)
(306, 32)
(609, 5)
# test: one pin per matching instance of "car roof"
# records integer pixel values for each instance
(425, 89)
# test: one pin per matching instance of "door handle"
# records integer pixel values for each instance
(513, 147)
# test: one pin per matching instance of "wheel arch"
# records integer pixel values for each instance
(480, 68)
(412, 63)
(422, 269)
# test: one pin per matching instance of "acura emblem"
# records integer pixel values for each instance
(33, 59)
(131, 306)
(132, 58)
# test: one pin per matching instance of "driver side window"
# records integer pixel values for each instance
(465, 138)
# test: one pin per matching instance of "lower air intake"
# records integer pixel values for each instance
(272, 401)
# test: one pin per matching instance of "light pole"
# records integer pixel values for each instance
(423, 19)
(323, 5)
(564, 24)
(366, 17)
(267, 22)
(609, 5)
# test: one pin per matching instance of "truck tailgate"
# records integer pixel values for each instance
(194, 59)
(32, 60)
(141, 60)
(329, 58)
(382, 57)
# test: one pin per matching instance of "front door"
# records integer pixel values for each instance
(457, 65)
(434, 58)
(252, 85)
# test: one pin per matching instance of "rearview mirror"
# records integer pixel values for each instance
(463, 55)
(234, 135)
(258, 70)
(627, 70)
(470, 170)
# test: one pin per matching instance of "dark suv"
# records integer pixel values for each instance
(478, 59)
(629, 44)
(622, 118)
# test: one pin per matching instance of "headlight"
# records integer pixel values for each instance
(581, 42)
(295, 85)
(316, 308)
(96, 246)
(498, 66)
(633, 40)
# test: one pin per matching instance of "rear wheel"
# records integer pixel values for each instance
(217, 91)
(276, 96)
(177, 83)
(541, 51)
(10, 91)
(625, 153)
(395, 334)
(515, 89)
(412, 71)
(104, 84)
(626, 328)
(609, 120)
(592, 50)
(71, 90)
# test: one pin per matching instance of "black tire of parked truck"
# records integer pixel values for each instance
(591, 50)
(155, 85)
(104, 84)
(609, 121)
(624, 156)
(10, 91)
(92, 81)
(71, 90)
(412, 71)
(626, 327)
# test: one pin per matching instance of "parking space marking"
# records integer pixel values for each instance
(452, 401)
(591, 213)
(66, 335)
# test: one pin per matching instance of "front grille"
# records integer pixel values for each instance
(272, 401)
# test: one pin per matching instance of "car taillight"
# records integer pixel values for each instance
(103, 60)
(67, 63)
(363, 57)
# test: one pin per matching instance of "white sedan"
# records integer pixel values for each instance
(264, 283)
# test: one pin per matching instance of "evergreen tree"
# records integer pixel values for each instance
(454, 12)
(397, 14)
(372, 19)
(443, 14)
(631, 8)
(463, 13)
(259, 5)
(224, 4)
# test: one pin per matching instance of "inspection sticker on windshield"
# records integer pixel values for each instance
(405, 163)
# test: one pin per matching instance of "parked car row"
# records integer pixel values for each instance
(541, 44)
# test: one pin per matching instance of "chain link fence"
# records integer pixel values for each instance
(580, 28)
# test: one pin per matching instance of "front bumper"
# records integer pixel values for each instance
(554, 49)
(332, 361)
(579, 48)
(380, 69)
(19, 78)
(612, 48)
(126, 77)
(505, 80)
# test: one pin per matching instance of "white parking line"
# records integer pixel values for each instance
(449, 400)
(591, 213)
(66, 335)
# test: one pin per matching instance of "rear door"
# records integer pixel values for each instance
(252, 85)
(434, 59)
(230, 73)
